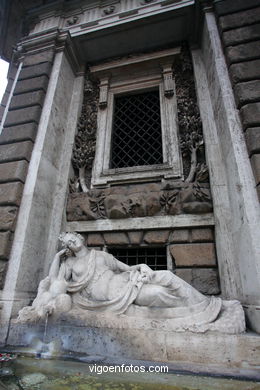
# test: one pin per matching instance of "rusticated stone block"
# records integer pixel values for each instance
(253, 140)
(135, 238)
(229, 6)
(179, 235)
(5, 244)
(243, 52)
(33, 84)
(243, 34)
(244, 71)
(8, 217)
(27, 99)
(38, 58)
(23, 115)
(202, 235)
(204, 280)
(250, 114)
(193, 255)
(116, 238)
(240, 19)
(156, 237)
(95, 239)
(13, 171)
(255, 162)
(35, 71)
(16, 151)
(10, 193)
(18, 133)
(247, 92)
(3, 270)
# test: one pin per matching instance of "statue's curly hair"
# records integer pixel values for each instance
(64, 234)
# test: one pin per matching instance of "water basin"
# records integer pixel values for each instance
(43, 374)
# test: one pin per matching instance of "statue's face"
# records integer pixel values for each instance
(73, 242)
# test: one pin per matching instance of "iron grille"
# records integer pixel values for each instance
(156, 258)
(137, 138)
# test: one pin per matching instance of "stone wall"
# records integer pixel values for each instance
(17, 140)
(239, 26)
(192, 251)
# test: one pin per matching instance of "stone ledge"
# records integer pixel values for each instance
(209, 349)
(23, 115)
(253, 140)
(35, 71)
(18, 133)
(16, 151)
(10, 194)
(247, 92)
(243, 52)
(229, 6)
(250, 114)
(245, 71)
(13, 171)
(240, 35)
(240, 19)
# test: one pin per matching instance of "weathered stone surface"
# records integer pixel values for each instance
(135, 238)
(44, 56)
(156, 237)
(229, 6)
(248, 70)
(243, 52)
(13, 171)
(190, 255)
(255, 161)
(27, 99)
(202, 235)
(179, 235)
(247, 92)
(8, 217)
(35, 70)
(240, 19)
(95, 239)
(239, 35)
(16, 151)
(253, 140)
(203, 279)
(5, 244)
(3, 269)
(33, 84)
(18, 133)
(250, 114)
(116, 239)
(23, 115)
(10, 193)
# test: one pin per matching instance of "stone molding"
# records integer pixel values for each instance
(90, 16)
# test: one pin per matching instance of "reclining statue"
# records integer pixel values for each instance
(91, 280)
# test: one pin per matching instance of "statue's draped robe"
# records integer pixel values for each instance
(125, 288)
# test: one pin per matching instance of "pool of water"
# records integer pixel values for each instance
(42, 374)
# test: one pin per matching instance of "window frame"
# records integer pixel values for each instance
(114, 84)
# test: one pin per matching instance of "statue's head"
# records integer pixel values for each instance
(71, 240)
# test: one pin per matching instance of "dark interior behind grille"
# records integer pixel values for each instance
(137, 138)
(156, 257)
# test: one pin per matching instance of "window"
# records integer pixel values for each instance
(155, 257)
(137, 135)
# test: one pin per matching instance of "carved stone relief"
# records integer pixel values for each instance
(192, 195)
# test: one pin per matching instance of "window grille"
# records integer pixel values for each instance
(156, 257)
(137, 138)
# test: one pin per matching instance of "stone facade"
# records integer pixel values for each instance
(240, 32)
